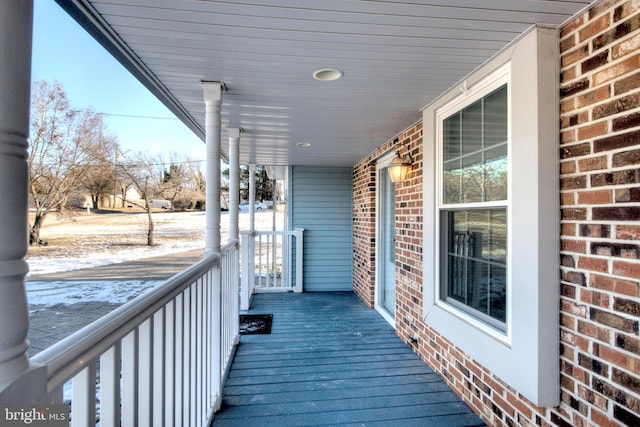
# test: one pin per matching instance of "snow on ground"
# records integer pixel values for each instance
(90, 241)
(98, 257)
(67, 293)
(93, 240)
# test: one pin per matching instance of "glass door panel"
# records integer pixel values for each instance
(386, 277)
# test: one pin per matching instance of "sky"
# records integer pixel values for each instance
(64, 52)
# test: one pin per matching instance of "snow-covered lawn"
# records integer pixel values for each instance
(88, 240)
(91, 240)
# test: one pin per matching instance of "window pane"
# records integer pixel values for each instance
(475, 139)
(496, 249)
(452, 182)
(495, 174)
(495, 117)
(472, 128)
(452, 137)
(498, 293)
(472, 178)
(476, 249)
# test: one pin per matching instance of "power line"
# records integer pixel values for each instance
(132, 116)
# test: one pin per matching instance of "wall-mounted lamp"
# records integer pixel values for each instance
(399, 167)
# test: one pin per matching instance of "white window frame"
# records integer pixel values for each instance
(525, 356)
(382, 163)
(497, 79)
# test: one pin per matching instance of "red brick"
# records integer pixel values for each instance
(627, 306)
(594, 27)
(568, 136)
(623, 213)
(594, 331)
(575, 150)
(574, 308)
(567, 167)
(613, 320)
(595, 230)
(575, 214)
(593, 264)
(627, 84)
(618, 286)
(592, 163)
(601, 7)
(624, 10)
(628, 232)
(567, 199)
(595, 96)
(595, 197)
(627, 343)
(616, 106)
(574, 56)
(626, 122)
(599, 299)
(578, 246)
(622, 360)
(627, 269)
(574, 88)
(617, 70)
(594, 61)
(603, 420)
(573, 182)
(572, 26)
(626, 158)
(628, 46)
(567, 43)
(626, 380)
(591, 131)
(568, 74)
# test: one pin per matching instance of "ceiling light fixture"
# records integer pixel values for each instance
(327, 74)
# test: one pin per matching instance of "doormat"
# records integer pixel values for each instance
(255, 323)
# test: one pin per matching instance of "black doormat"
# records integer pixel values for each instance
(255, 323)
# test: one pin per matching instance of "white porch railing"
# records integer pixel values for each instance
(268, 263)
(160, 359)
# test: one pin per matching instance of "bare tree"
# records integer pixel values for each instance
(57, 153)
(181, 183)
(101, 148)
(139, 174)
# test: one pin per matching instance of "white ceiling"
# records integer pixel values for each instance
(397, 56)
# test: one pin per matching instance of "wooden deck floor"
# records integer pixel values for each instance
(330, 360)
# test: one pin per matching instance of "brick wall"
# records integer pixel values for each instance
(600, 243)
(600, 195)
(408, 209)
(364, 229)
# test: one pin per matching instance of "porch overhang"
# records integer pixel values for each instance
(396, 58)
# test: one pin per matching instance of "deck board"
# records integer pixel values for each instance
(330, 360)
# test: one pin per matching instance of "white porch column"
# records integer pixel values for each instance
(234, 183)
(20, 382)
(213, 100)
(252, 196)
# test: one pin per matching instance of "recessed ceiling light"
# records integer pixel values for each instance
(304, 144)
(327, 74)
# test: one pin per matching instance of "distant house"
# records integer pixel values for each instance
(130, 196)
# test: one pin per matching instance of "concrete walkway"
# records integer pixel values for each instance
(50, 324)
